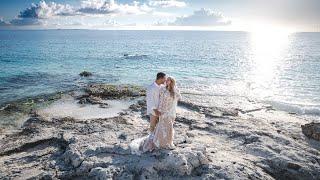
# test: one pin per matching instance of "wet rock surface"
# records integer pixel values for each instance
(114, 91)
(312, 130)
(12, 114)
(92, 100)
(85, 74)
(211, 143)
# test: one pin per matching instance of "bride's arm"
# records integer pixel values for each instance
(161, 107)
(178, 96)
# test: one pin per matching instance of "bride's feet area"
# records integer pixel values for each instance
(171, 147)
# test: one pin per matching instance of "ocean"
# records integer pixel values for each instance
(279, 69)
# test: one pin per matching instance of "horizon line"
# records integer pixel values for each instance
(91, 29)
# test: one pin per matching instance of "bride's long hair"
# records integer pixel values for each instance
(171, 86)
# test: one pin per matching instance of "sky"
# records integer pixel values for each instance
(232, 15)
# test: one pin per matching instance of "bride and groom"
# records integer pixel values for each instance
(162, 99)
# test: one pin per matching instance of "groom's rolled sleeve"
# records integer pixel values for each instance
(154, 100)
(150, 102)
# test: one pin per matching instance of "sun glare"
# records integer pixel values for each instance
(268, 47)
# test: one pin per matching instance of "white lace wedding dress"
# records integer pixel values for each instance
(162, 137)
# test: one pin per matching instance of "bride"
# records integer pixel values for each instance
(162, 137)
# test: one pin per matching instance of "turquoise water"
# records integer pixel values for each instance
(281, 70)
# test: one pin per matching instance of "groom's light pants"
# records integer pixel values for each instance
(153, 122)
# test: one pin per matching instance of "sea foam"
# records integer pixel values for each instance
(296, 108)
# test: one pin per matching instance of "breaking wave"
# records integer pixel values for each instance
(300, 109)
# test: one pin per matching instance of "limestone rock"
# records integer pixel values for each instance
(85, 74)
(312, 130)
(73, 157)
(114, 91)
(100, 173)
(183, 162)
(211, 143)
(93, 100)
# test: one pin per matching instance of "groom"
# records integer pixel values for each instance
(153, 93)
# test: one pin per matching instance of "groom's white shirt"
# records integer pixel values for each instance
(153, 96)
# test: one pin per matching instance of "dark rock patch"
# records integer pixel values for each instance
(85, 74)
(311, 130)
(114, 91)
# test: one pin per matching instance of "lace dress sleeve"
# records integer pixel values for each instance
(178, 95)
(162, 99)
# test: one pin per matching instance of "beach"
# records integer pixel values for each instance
(60, 139)
(72, 102)
(81, 93)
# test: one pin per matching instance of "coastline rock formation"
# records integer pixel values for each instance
(85, 74)
(114, 91)
(311, 130)
(211, 143)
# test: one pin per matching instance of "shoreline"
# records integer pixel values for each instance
(25, 106)
(211, 141)
(14, 113)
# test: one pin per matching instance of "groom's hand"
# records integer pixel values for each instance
(157, 112)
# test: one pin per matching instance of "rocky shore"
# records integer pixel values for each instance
(211, 142)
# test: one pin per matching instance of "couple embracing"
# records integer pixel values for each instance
(162, 99)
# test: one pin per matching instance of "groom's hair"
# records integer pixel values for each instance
(160, 75)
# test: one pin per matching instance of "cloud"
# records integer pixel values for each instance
(102, 12)
(3, 22)
(202, 17)
(20, 22)
(111, 7)
(26, 22)
(37, 13)
(167, 3)
(45, 10)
